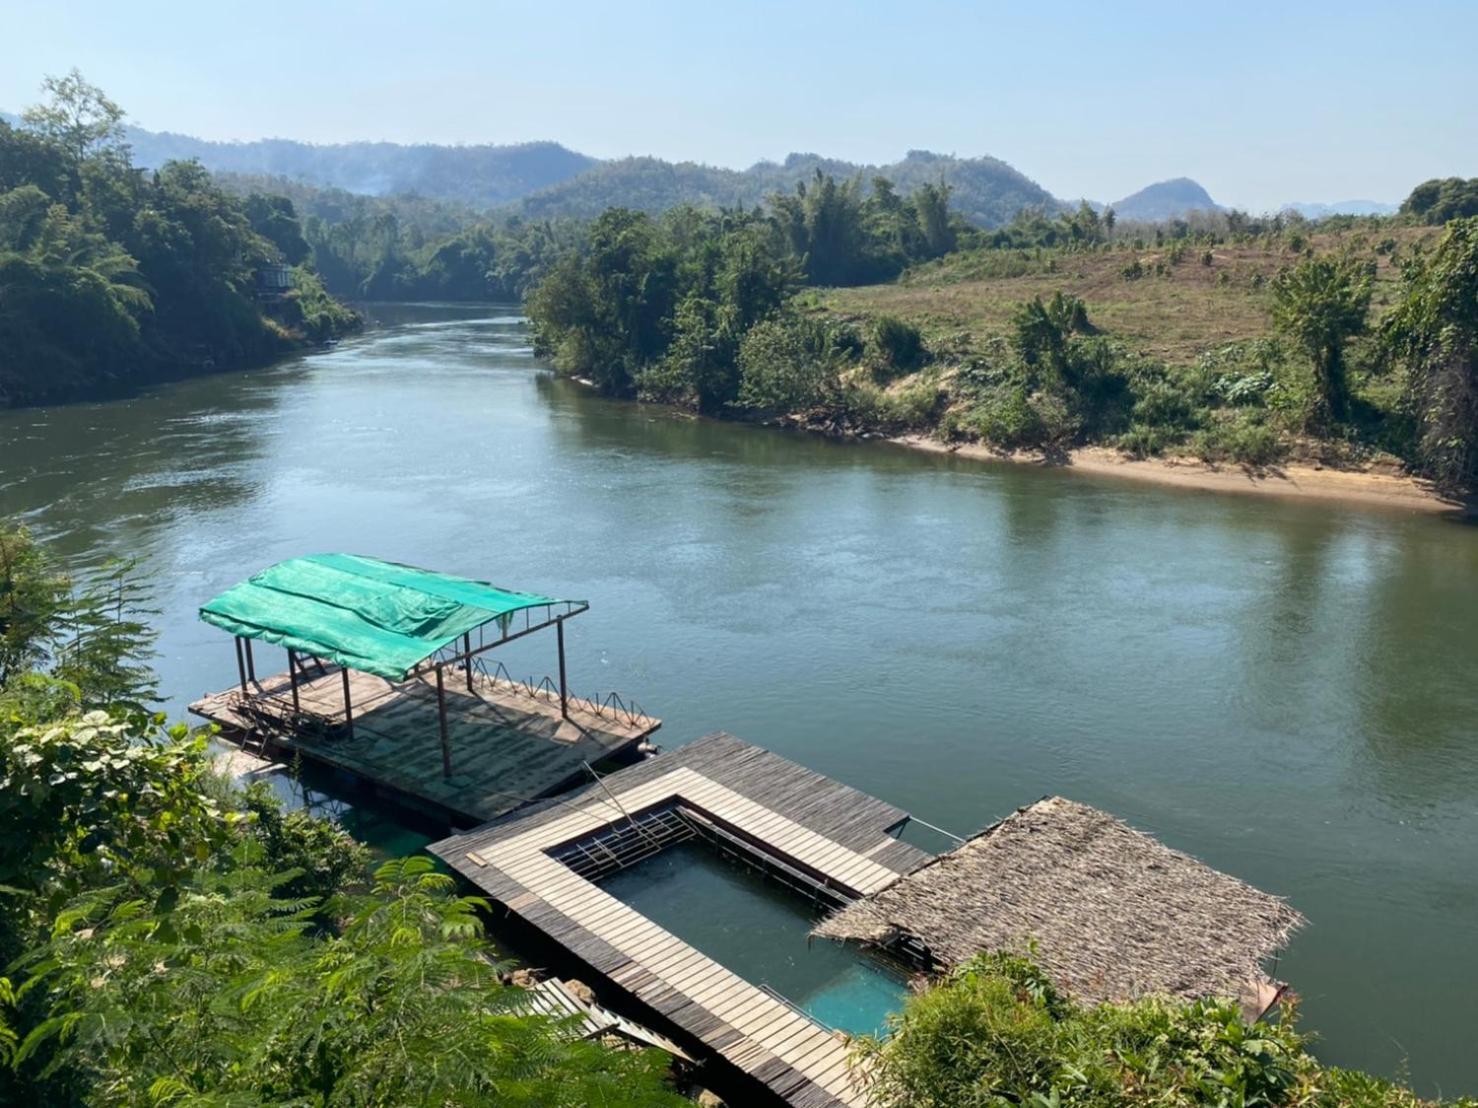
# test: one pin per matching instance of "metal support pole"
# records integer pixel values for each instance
(292, 677)
(564, 699)
(467, 650)
(446, 749)
(348, 707)
(251, 664)
(240, 664)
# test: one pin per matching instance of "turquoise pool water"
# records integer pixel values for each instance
(758, 929)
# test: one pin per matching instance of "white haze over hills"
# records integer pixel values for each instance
(1341, 207)
(546, 178)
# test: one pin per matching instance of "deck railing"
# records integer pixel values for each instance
(611, 706)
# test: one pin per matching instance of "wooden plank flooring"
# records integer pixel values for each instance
(508, 742)
(809, 821)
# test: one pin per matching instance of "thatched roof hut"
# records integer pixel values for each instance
(1114, 913)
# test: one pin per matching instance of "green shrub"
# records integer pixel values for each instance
(1004, 417)
(1246, 389)
(793, 364)
(894, 348)
(1167, 404)
(1245, 442)
(996, 1034)
(1148, 441)
(322, 857)
(310, 310)
(1133, 271)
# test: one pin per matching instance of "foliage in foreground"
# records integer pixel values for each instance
(169, 939)
(997, 1034)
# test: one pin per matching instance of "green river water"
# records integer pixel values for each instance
(1285, 690)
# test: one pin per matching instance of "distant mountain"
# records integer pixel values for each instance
(546, 180)
(484, 176)
(1165, 200)
(1342, 207)
(987, 191)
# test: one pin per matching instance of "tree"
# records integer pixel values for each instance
(1042, 331)
(223, 994)
(823, 222)
(1321, 304)
(276, 220)
(790, 364)
(1434, 331)
(931, 203)
(1440, 200)
(32, 594)
(77, 117)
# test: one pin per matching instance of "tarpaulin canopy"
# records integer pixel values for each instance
(380, 617)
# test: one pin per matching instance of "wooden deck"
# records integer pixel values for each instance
(508, 742)
(809, 821)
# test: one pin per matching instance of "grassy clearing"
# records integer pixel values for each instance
(1179, 309)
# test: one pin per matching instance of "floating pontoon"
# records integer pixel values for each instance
(386, 680)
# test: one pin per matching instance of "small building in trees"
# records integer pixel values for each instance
(273, 281)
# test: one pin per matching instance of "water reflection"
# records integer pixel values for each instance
(1282, 689)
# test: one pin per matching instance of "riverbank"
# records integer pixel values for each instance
(1303, 482)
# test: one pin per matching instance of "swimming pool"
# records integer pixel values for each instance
(720, 907)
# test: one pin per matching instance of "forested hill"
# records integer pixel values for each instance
(1165, 200)
(986, 191)
(483, 176)
(112, 276)
(547, 180)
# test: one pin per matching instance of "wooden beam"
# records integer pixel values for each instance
(564, 693)
(446, 749)
(348, 706)
(503, 641)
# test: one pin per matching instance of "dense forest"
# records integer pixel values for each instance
(111, 275)
(986, 191)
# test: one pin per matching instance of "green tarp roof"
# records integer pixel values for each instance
(379, 617)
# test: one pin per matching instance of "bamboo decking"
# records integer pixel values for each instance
(822, 827)
(508, 742)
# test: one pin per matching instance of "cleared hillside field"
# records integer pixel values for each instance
(1178, 308)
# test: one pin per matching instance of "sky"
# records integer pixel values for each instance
(1264, 104)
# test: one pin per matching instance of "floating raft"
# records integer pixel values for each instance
(800, 820)
(511, 742)
(386, 682)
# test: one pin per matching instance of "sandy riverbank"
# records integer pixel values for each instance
(1300, 481)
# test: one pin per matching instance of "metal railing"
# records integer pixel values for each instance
(621, 846)
(611, 706)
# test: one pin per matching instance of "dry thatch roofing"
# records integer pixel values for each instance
(1114, 913)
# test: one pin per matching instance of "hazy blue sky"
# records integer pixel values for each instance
(1262, 103)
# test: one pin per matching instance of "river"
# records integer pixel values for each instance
(1285, 690)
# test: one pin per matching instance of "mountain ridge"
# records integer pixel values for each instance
(1165, 200)
(545, 179)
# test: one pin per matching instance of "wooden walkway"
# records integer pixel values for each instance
(508, 742)
(826, 829)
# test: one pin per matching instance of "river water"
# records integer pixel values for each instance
(1285, 690)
